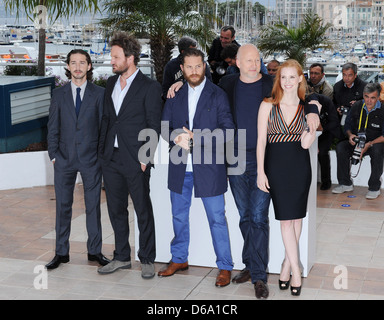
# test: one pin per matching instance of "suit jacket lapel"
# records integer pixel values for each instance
(133, 89)
(184, 106)
(108, 92)
(68, 101)
(86, 98)
(204, 97)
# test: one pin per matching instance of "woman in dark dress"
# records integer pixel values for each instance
(283, 162)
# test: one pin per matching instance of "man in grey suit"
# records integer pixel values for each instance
(73, 133)
(132, 108)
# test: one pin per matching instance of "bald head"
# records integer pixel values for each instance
(248, 48)
(248, 61)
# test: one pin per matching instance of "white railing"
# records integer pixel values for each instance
(146, 66)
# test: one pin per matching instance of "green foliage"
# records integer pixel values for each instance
(20, 70)
(43, 11)
(101, 81)
(295, 41)
(162, 21)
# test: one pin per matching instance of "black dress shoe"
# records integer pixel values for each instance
(56, 261)
(261, 289)
(103, 261)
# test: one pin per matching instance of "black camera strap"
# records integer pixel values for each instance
(358, 170)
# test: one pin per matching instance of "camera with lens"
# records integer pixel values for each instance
(360, 143)
(219, 68)
(344, 112)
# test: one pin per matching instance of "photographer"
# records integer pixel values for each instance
(348, 90)
(227, 36)
(330, 127)
(364, 128)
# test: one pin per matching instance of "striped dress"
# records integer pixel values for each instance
(280, 131)
(287, 165)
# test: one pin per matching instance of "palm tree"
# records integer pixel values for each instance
(49, 10)
(161, 21)
(311, 34)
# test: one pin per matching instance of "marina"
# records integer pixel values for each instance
(370, 65)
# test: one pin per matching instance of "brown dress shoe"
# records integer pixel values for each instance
(242, 277)
(261, 289)
(172, 268)
(223, 278)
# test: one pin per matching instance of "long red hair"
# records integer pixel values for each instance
(277, 91)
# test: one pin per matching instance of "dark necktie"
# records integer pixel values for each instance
(78, 101)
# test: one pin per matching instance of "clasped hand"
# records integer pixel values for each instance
(182, 139)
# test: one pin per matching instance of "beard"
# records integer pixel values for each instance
(120, 71)
(195, 79)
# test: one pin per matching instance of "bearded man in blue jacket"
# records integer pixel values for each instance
(196, 123)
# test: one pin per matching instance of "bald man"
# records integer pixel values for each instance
(245, 92)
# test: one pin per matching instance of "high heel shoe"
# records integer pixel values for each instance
(295, 291)
(284, 285)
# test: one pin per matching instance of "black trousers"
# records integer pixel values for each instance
(325, 142)
(118, 185)
(344, 151)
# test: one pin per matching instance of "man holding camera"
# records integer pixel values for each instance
(364, 127)
(348, 90)
(227, 36)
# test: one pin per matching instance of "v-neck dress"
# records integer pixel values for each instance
(287, 165)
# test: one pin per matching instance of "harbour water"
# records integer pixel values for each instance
(100, 56)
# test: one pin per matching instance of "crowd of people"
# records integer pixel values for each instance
(100, 133)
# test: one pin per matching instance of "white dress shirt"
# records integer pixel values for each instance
(74, 93)
(118, 96)
(193, 99)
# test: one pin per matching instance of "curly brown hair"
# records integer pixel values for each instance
(128, 43)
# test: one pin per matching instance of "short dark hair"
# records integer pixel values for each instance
(128, 43)
(314, 65)
(192, 52)
(89, 61)
(226, 28)
(349, 65)
(229, 51)
(185, 43)
(372, 87)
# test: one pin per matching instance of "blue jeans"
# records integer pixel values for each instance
(253, 206)
(214, 208)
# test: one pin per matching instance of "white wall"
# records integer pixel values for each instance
(25, 169)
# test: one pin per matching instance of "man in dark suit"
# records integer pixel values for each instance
(132, 105)
(73, 133)
(199, 111)
(331, 129)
